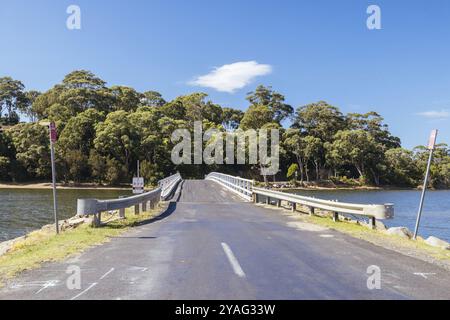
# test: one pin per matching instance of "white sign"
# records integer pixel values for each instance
(432, 141)
(138, 185)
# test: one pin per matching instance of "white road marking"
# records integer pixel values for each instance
(233, 261)
(326, 236)
(106, 274)
(424, 275)
(84, 291)
(48, 284)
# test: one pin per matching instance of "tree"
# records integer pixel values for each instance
(293, 141)
(76, 141)
(274, 101)
(31, 143)
(372, 122)
(256, 117)
(401, 168)
(292, 170)
(231, 118)
(152, 99)
(117, 140)
(357, 148)
(80, 90)
(31, 96)
(319, 120)
(313, 149)
(125, 98)
(7, 155)
(12, 99)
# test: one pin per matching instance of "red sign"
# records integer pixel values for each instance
(432, 141)
(53, 135)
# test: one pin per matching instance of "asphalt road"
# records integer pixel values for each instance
(211, 245)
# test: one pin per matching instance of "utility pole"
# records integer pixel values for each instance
(431, 146)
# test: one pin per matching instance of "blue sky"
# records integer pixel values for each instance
(307, 50)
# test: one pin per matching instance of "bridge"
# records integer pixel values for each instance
(213, 242)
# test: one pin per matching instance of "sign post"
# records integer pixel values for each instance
(53, 137)
(431, 146)
(138, 182)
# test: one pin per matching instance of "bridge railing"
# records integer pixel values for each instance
(240, 186)
(372, 211)
(168, 184)
(246, 189)
(140, 202)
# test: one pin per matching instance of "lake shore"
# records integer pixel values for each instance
(48, 185)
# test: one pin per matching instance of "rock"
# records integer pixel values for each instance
(402, 232)
(436, 242)
(380, 225)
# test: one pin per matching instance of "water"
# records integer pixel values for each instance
(25, 210)
(435, 219)
(22, 211)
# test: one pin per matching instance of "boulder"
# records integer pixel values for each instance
(402, 232)
(436, 242)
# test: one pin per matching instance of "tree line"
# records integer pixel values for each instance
(104, 130)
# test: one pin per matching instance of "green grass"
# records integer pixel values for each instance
(45, 246)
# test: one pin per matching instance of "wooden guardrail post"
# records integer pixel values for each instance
(136, 209)
(294, 206)
(311, 211)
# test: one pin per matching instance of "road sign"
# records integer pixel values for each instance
(53, 135)
(138, 185)
(432, 141)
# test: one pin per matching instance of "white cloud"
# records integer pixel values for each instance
(231, 77)
(432, 114)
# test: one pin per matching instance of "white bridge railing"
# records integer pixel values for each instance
(240, 186)
(140, 202)
(168, 184)
(246, 189)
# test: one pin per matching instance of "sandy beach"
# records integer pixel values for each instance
(48, 185)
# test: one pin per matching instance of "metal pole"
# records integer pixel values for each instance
(55, 204)
(138, 169)
(422, 198)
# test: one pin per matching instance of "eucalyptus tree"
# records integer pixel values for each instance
(12, 99)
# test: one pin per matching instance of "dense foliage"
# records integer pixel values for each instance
(104, 130)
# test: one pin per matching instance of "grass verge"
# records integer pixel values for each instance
(380, 238)
(45, 246)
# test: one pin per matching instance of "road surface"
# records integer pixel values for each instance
(212, 245)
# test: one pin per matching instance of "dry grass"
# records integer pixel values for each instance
(45, 246)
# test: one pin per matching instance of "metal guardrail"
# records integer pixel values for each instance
(373, 211)
(140, 202)
(246, 189)
(240, 186)
(168, 184)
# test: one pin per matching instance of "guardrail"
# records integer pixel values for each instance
(140, 202)
(373, 211)
(168, 184)
(240, 186)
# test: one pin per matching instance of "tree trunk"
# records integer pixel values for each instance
(316, 163)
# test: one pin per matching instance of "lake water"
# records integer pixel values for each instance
(25, 210)
(435, 216)
(22, 211)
